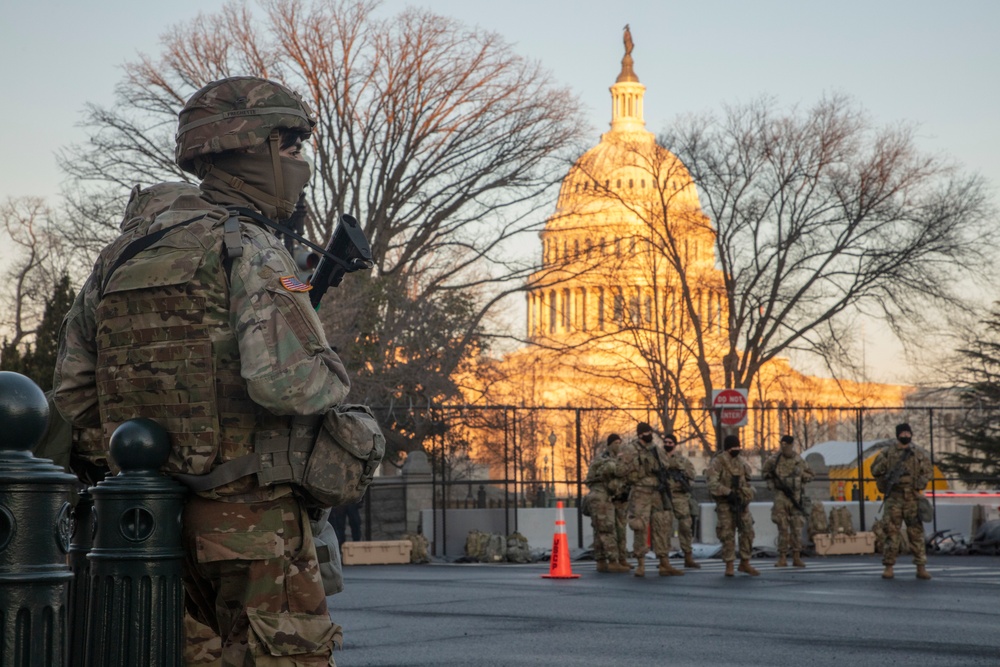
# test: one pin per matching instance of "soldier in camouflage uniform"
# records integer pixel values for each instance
(901, 472)
(680, 471)
(728, 480)
(600, 474)
(194, 318)
(618, 489)
(787, 475)
(647, 506)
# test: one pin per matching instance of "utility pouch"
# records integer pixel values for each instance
(925, 511)
(348, 449)
(327, 551)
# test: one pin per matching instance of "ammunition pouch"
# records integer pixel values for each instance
(333, 466)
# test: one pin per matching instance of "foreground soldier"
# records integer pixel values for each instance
(600, 475)
(787, 474)
(901, 472)
(729, 483)
(680, 472)
(646, 505)
(196, 320)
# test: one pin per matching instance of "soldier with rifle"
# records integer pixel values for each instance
(679, 473)
(728, 479)
(787, 474)
(901, 472)
(647, 507)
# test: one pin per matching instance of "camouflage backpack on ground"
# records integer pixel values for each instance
(841, 522)
(817, 520)
(518, 550)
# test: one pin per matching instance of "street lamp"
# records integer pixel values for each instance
(552, 446)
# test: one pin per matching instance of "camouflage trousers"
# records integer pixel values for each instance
(726, 527)
(790, 523)
(252, 578)
(646, 510)
(896, 510)
(685, 522)
(602, 518)
(621, 527)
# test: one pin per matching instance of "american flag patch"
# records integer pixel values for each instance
(293, 284)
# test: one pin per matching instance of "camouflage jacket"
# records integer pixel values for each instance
(792, 470)
(601, 470)
(638, 463)
(673, 463)
(720, 473)
(916, 469)
(267, 355)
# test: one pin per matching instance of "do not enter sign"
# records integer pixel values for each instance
(730, 406)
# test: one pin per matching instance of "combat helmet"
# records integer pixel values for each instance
(237, 113)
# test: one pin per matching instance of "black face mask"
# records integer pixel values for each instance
(669, 446)
(646, 437)
(905, 440)
(734, 453)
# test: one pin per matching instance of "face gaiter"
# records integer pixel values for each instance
(271, 185)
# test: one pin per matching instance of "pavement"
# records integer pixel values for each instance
(836, 611)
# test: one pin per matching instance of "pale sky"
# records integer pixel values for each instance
(930, 63)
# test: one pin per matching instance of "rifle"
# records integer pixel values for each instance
(892, 479)
(663, 484)
(735, 499)
(678, 476)
(787, 490)
(348, 251)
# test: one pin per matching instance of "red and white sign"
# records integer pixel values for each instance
(730, 406)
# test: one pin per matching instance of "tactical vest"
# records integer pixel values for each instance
(167, 352)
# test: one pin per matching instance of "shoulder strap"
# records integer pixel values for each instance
(140, 244)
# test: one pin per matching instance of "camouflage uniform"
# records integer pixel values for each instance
(602, 509)
(901, 503)
(790, 520)
(681, 472)
(199, 331)
(720, 475)
(646, 507)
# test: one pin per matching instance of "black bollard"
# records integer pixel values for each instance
(35, 525)
(79, 589)
(136, 594)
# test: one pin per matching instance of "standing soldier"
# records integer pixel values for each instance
(197, 321)
(729, 484)
(901, 472)
(787, 474)
(602, 510)
(618, 489)
(680, 474)
(647, 506)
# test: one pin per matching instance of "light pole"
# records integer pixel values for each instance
(552, 447)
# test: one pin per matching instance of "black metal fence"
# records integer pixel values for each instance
(515, 457)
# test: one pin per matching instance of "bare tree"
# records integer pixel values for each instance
(806, 219)
(39, 262)
(437, 137)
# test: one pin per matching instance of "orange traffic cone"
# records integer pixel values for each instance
(559, 566)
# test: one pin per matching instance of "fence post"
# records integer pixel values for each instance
(136, 595)
(861, 468)
(35, 526)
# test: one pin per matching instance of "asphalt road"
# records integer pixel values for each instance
(837, 611)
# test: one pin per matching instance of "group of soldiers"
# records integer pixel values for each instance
(645, 485)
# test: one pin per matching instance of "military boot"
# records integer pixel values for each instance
(887, 572)
(602, 566)
(624, 561)
(618, 567)
(690, 563)
(729, 569)
(797, 560)
(668, 570)
(640, 568)
(745, 566)
(922, 572)
(781, 562)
